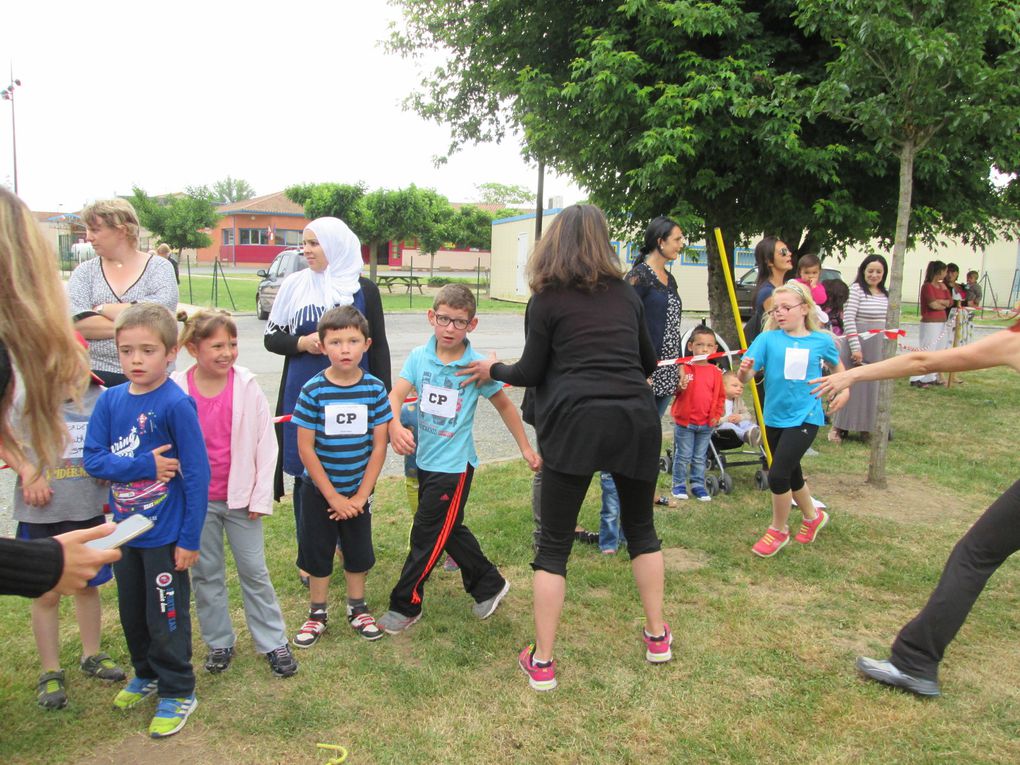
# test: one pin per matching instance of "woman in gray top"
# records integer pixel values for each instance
(100, 288)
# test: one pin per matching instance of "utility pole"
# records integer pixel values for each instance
(8, 95)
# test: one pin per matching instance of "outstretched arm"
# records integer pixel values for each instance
(512, 420)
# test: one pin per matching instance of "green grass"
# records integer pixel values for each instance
(763, 668)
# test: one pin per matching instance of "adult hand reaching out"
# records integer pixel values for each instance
(479, 371)
(81, 562)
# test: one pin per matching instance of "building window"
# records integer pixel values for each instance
(253, 236)
(228, 236)
(287, 237)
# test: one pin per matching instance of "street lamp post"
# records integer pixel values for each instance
(8, 95)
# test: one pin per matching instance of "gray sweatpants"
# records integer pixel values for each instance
(209, 582)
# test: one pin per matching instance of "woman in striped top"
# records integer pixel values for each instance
(866, 309)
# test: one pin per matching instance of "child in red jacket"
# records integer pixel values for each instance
(698, 408)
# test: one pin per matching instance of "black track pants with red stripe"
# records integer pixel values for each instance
(438, 525)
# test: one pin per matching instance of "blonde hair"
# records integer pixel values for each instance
(164, 250)
(152, 316)
(35, 325)
(203, 323)
(798, 290)
(116, 213)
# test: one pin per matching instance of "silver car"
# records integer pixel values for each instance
(286, 263)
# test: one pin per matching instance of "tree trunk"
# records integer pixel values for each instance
(720, 312)
(373, 259)
(432, 265)
(880, 435)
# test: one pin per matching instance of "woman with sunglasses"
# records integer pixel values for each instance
(775, 267)
(791, 349)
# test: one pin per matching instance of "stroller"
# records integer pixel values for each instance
(725, 450)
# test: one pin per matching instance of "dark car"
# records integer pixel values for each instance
(744, 287)
(286, 263)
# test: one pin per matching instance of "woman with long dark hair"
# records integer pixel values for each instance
(775, 266)
(865, 310)
(935, 302)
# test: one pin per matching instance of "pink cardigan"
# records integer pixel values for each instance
(253, 446)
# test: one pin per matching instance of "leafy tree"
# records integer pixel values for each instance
(232, 190)
(385, 216)
(471, 227)
(504, 194)
(697, 110)
(177, 220)
(927, 83)
(430, 220)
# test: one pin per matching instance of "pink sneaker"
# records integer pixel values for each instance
(772, 542)
(809, 529)
(657, 649)
(539, 678)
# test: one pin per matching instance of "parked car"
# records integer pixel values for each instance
(286, 263)
(744, 287)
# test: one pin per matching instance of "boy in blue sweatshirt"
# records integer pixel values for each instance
(144, 437)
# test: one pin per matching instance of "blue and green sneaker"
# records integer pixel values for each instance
(171, 714)
(135, 691)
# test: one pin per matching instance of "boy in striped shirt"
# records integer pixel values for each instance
(342, 416)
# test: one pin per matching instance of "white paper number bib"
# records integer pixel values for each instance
(346, 419)
(441, 402)
(76, 444)
(796, 363)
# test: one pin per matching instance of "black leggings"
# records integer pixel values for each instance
(562, 495)
(788, 445)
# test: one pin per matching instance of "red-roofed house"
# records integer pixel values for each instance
(255, 230)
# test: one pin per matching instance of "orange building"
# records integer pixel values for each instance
(255, 230)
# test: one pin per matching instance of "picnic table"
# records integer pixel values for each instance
(401, 280)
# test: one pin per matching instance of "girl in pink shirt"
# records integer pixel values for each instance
(238, 434)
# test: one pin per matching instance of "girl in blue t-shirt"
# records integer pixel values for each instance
(791, 349)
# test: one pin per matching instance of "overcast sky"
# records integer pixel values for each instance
(169, 95)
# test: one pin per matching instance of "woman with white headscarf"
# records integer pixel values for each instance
(333, 278)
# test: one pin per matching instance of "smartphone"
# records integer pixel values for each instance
(126, 531)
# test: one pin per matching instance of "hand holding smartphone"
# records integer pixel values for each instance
(126, 531)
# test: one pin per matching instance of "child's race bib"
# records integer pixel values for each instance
(796, 363)
(441, 402)
(346, 419)
(76, 443)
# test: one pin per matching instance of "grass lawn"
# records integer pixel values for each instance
(764, 649)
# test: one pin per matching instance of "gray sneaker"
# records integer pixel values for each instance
(393, 623)
(102, 667)
(885, 672)
(486, 608)
(50, 691)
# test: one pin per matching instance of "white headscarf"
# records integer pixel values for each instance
(307, 294)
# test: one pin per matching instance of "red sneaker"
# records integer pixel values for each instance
(772, 542)
(809, 529)
(539, 678)
(657, 649)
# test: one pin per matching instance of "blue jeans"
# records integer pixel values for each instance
(690, 445)
(610, 535)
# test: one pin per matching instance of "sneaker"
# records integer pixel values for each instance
(700, 494)
(311, 630)
(885, 672)
(282, 661)
(137, 689)
(487, 607)
(393, 622)
(811, 452)
(101, 666)
(754, 436)
(658, 649)
(218, 659)
(539, 678)
(680, 492)
(450, 564)
(772, 542)
(363, 623)
(51, 691)
(586, 537)
(171, 714)
(809, 529)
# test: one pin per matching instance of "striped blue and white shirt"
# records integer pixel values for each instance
(343, 418)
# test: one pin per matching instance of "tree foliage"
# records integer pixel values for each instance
(504, 194)
(232, 190)
(471, 228)
(177, 220)
(702, 111)
(929, 84)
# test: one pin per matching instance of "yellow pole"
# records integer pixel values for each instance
(743, 340)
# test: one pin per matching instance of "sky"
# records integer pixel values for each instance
(168, 95)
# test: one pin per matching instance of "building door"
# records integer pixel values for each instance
(522, 264)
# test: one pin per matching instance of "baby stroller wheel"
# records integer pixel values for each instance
(761, 479)
(663, 465)
(711, 485)
(727, 483)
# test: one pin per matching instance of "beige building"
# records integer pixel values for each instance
(513, 240)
